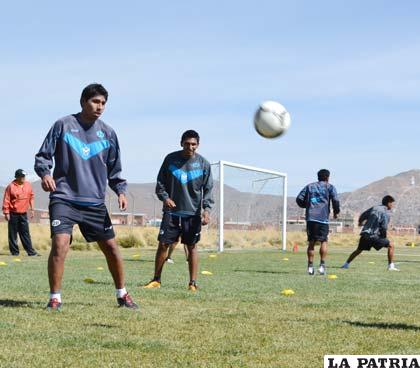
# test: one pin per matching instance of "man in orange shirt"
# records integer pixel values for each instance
(18, 198)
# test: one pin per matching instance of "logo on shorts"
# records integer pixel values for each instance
(161, 232)
(55, 223)
(100, 134)
(108, 228)
(74, 130)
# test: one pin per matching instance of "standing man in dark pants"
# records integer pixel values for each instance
(18, 198)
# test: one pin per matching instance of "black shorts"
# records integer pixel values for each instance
(317, 231)
(366, 242)
(94, 221)
(173, 227)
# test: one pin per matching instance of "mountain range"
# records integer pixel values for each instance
(264, 208)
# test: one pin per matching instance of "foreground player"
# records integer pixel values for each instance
(316, 198)
(375, 224)
(184, 184)
(86, 156)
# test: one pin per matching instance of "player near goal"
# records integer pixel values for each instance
(317, 198)
(86, 156)
(184, 185)
(374, 232)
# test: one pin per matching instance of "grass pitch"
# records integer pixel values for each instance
(238, 318)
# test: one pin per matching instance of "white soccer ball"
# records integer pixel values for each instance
(271, 119)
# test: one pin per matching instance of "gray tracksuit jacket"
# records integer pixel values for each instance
(85, 159)
(377, 220)
(187, 181)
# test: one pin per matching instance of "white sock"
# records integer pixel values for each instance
(391, 265)
(56, 296)
(120, 292)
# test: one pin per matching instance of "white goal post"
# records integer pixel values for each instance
(273, 174)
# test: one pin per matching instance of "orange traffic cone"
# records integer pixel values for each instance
(295, 248)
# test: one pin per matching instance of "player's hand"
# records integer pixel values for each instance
(169, 203)
(122, 202)
(205, 218)
(335, 215)
(48, 183)
(7, 217)
(31, 214)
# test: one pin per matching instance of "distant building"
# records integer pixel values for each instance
(139, 219)
(119, 218)
(41, 216)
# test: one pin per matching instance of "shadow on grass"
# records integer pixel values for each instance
(407, 261)
(262, 271)
(9, 303)
(140, 260)
(384, 326)
(101, 325)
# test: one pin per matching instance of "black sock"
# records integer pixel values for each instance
(322, 263)
(310, 264)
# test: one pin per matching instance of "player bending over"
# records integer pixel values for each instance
(184, 185)
(86, 155)
(375, 223)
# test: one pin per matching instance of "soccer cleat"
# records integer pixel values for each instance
(152, 285)
(192, 286)
(311, 271)
(322, 270)
(170, 260)
(345, 266)
(127, 302)
(54, 304)
(392, 267)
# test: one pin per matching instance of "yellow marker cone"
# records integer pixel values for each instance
(135, 256)
(208, 273)
(3, 264)
(285, 259)
(17, 260)
(287, 292)
(332, 277)
(100, 268)
(89, 280)
(212, 256)
(371, 262)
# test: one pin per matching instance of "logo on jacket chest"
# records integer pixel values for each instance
(86, 150)
(185, 176)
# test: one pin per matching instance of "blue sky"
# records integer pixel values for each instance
(348, 72)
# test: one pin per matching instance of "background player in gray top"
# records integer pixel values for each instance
(184, 185)
(317, 198)
(375, 222)
(86, 156)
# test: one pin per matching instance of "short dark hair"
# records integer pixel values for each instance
(92, 90)
(323, 175)
(190, 134)
(387, 199)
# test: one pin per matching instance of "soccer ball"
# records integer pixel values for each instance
(271, 119)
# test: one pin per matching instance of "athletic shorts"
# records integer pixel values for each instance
(317, 231)
(366, 242)
(174, 227)
(94, 221)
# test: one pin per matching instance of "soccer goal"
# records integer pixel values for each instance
(250, 207)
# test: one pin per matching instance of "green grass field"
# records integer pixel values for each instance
(238, 318)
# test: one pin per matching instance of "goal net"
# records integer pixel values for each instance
(250, 208)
